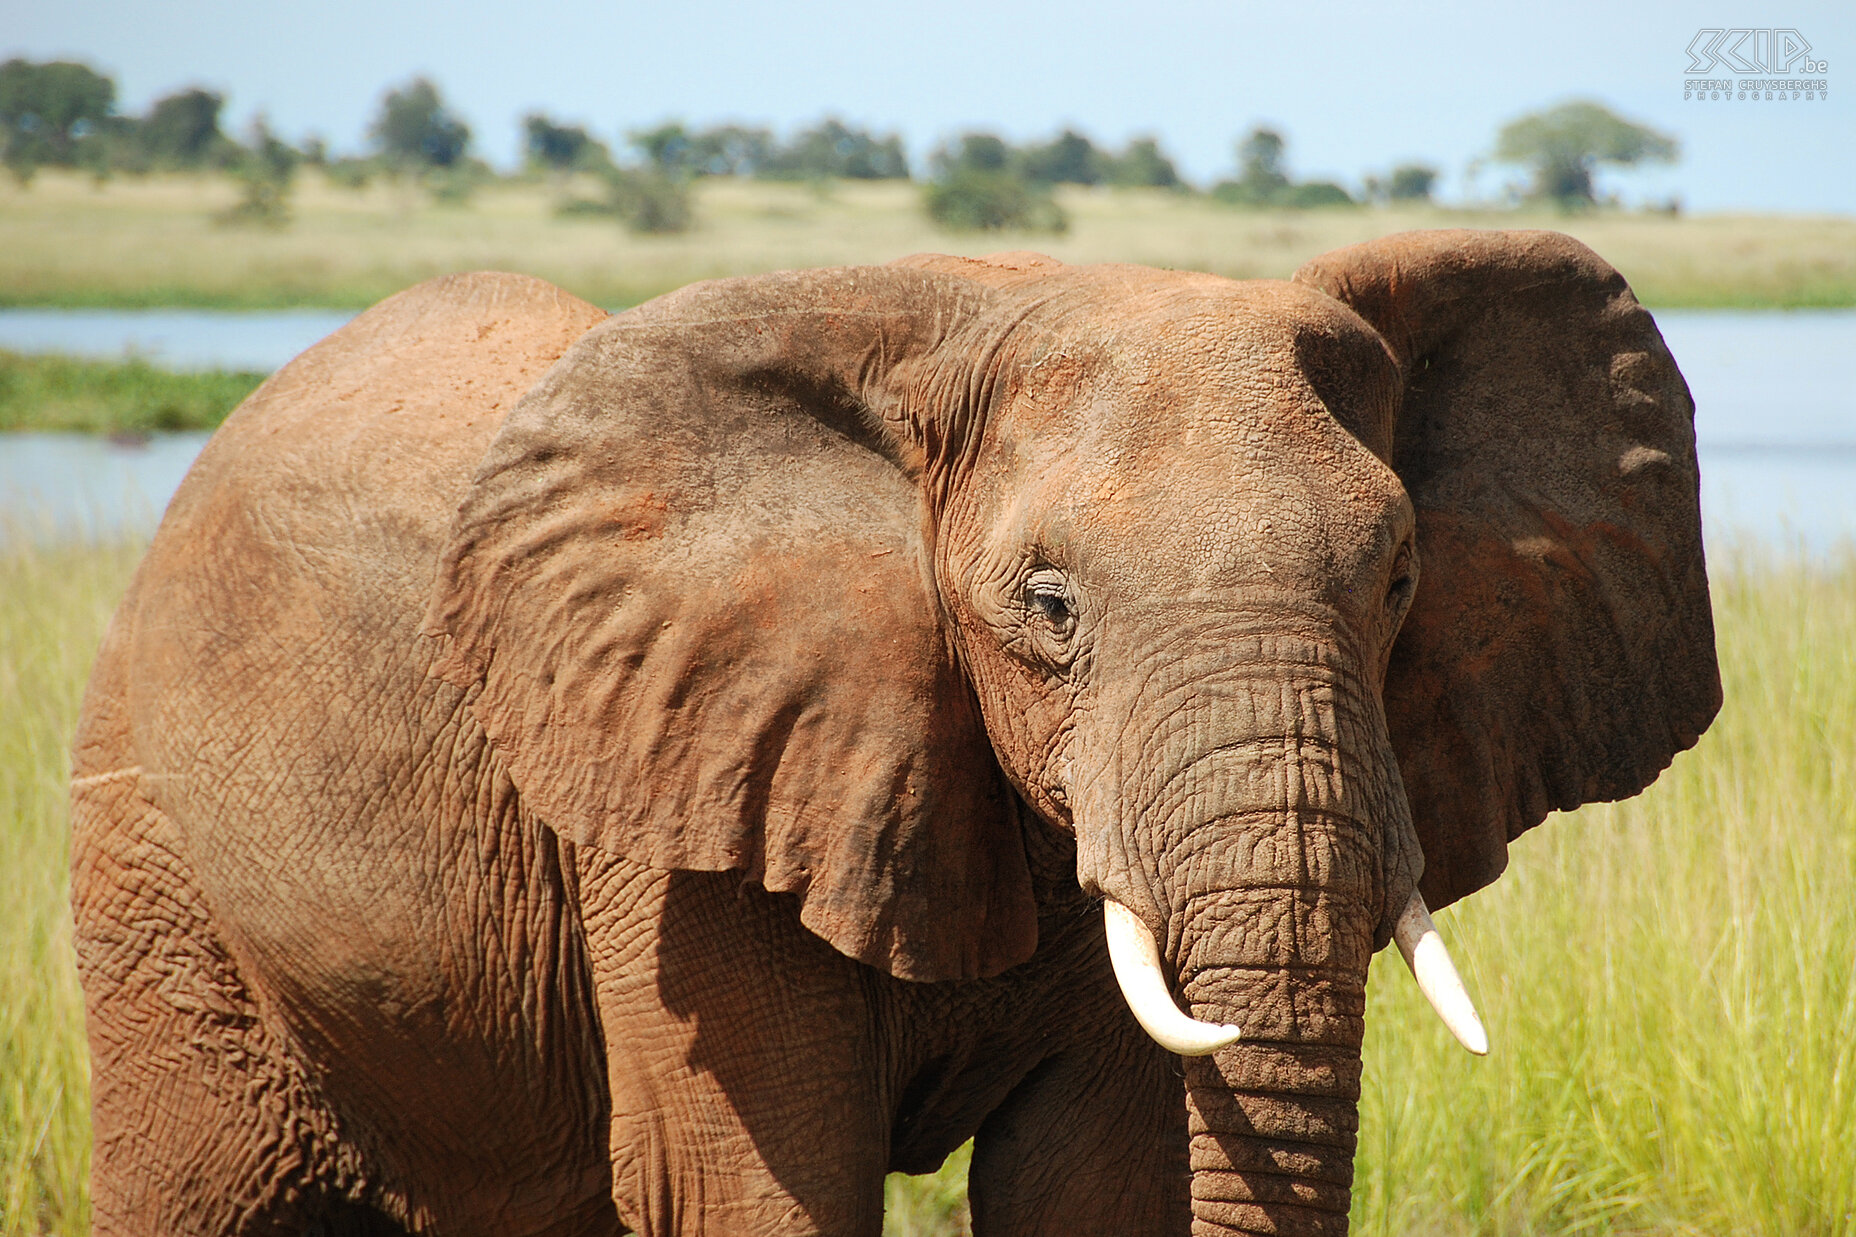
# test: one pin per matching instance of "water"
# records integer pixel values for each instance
(1775, 398)
(183, 339)
(55, 486)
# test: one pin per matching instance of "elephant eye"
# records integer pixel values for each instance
(1046, 596)
(1404, 581)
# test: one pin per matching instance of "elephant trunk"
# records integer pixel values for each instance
(1267, 865)
(1273, 1122)
(1280, 957)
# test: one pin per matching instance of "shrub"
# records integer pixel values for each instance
(265, 169)
(1316, 193)
(974, 200)
(644, 199)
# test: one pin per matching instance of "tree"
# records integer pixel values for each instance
(1565, 144)
(415, 130)
(1411, 182)
(47, 109)
(181, 130)
(1143, 164)
(833, 150)
(1262, 180)
(1067, 159)
(1260, 177)
(730, 150)
(561, 148)
(973, 152)
(978, 186)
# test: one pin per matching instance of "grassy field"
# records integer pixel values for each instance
(152, 241)
(1668, 982)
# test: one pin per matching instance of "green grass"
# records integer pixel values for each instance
(153, 241)
(1670, 983)
(113, 397)
(53, 607)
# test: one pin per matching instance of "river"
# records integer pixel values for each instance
(1775, 397)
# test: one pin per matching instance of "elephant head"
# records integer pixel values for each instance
(827, 577)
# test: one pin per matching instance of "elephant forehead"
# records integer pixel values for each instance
(1204, 443)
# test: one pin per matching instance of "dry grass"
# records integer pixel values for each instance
(1670, 983)
(152, 241)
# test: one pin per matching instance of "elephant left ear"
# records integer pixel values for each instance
(690, 593)
(1560, 647)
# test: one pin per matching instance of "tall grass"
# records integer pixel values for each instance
(53, 608)
(1670, 983)
(152, 241)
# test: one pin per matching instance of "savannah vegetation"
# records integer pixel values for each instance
(1668, 981)
(131, 397)
(166, 209)
(153, 240)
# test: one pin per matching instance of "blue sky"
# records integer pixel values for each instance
(1355, 87)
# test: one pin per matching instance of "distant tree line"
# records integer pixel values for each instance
(63, 114)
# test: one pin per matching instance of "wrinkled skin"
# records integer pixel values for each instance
(565, 774)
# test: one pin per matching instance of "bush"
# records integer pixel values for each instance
(974, 200)
(644, 199)
(1316, 193)
(454, 185)
(350, 172)
(1263, 181)
(265, 168)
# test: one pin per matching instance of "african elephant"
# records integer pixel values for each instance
(566, 773)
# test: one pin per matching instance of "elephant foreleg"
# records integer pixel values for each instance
(1091, 1142)
(741, 1060)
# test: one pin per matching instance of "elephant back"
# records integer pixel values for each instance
(307, 532)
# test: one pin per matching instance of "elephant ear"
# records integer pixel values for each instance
(690, 589)
(1560, 648)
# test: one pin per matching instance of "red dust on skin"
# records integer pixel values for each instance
(609, 835)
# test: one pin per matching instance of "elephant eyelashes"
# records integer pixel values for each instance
(1055, 609)
(1047, 600)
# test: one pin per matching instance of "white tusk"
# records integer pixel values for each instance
(1436, 975)
(1136, 959)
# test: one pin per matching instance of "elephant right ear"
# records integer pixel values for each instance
(690, 591)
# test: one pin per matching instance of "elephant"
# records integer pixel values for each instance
(559, 772)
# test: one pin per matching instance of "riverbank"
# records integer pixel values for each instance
(1667, 982)
(62, 394)
(153, 241)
